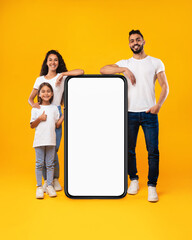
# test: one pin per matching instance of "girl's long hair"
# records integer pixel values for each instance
(61, 67)
(42, 85)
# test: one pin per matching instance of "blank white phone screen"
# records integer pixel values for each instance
(96, 136)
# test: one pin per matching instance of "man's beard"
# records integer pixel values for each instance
(138, 50)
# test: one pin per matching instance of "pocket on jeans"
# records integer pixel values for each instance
(155, 114)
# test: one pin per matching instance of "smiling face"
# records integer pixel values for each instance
(52, 62)
(136, 43)
(45, 94)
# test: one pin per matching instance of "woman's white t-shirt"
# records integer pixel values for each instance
(141, 96)
(45, 131)
(57, 90)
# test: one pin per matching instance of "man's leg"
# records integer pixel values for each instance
(133, 127)
(150, 127)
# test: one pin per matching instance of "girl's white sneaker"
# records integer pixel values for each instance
(39, 193)
(152, 194)
(56, 185)
(45, 185)
(51, 191)
(134, 187)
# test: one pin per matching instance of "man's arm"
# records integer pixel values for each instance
(162, 79)
(114, 68)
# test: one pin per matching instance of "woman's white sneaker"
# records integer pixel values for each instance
(56, 185)
(39, 193)
(152, 194)
(51, 191)
(134, 187)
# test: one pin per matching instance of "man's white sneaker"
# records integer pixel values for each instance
(56, 185)
(39, 193)
(152, 194)
(51, 191)
(45, 185)
(134, 187)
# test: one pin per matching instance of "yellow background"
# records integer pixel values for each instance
(90, 34)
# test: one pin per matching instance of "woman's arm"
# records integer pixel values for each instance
(32, 97)
(59, 122)
(41, 118)
(74, 72)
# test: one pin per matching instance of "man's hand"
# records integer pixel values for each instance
(36, 105)
(43, 116)
(130, 75)
(154, 110)
(114, 68)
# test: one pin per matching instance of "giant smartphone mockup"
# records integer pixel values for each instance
(96, 136)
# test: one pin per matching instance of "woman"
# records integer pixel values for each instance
(54, 72)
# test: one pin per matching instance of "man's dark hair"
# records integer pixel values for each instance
(135, 32)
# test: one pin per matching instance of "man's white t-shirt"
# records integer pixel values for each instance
(141, 96)
(45, 131)
(57, 90)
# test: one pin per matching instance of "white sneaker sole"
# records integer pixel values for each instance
(153, 199)
(50, 195)
(57, 189)
(39, 197)
(132, 192)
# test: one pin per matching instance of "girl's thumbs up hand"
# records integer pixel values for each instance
(43, 116)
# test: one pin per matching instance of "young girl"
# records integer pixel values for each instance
(53, 71)
(44, 120)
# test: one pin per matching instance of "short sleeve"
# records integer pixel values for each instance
(159, 66)
(33, 115)
(37, 83)
(121, 63)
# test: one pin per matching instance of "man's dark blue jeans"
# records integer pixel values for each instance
(150, 125)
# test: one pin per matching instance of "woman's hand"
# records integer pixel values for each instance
(36, 105)
(59, 79)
